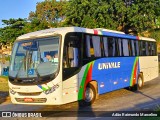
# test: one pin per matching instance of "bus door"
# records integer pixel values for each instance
(71, 67)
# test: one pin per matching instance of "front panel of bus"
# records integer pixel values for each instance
(34, 74)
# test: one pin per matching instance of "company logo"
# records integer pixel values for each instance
(109, 65)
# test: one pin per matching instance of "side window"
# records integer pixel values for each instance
(93, 46)
(105, 44)
(143, 48)
(133, 48)
(111, 47)
(89, 46)
(153, 48)
(120, 47)
(147, 52)
(149, 48)
(136, 48)
(140, 48)
(125, 47)
(130, 48)
(117, 47)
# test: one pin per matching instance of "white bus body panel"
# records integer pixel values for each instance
(70, 89)
(149, 67)
(25, 91)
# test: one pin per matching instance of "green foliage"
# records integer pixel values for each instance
(141, 15)
(155, 34)
(113, 14)
(7, 58)
(35, 25)
(124, 15)
(49, 13)
(4, 84)
(13, 28)
(90, 14)
(4, 77)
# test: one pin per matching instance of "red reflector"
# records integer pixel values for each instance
(28, 99)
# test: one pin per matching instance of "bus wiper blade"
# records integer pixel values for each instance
(38, 75)
(16, 77)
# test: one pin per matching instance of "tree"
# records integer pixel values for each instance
(50, 12)
(96, 13)
(13, 28)
(35, 25)
(141, 15)
(121, 15)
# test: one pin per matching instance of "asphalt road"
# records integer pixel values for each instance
(147, 99)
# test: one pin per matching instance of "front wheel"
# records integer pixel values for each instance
(89, 95)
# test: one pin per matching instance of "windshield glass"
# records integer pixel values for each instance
(34, 58)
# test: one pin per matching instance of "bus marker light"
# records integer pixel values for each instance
(125, 80)
(75, 91)
(102, 84)
(12, 91)
(115, 83)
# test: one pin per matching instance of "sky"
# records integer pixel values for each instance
(16, 9)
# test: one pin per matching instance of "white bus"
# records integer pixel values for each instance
(62, 65)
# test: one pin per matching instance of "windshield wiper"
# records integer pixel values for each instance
(16, 77)
(38, 75)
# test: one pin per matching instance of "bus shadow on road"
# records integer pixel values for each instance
(85, 111)
(151, 105)
(3, 96)
(74, 109)
(139, 92)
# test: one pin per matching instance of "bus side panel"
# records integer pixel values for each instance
(149, 67)
(115, 73)
(110, 74)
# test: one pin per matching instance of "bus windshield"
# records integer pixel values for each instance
(35, 58)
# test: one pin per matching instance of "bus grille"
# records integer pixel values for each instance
(35, 100)
(29, 94)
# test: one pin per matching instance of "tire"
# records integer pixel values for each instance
(89, 96)
(140, 82)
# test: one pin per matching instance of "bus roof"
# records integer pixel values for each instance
(148, 39)
(47, 32)
(64, 30)
(103, 29)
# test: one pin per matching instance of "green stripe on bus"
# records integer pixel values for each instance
(134, 66)
(81, 87)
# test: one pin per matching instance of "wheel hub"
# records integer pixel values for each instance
(88, 95)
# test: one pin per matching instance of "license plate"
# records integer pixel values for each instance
(28, 99)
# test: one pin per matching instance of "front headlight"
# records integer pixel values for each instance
(47, 92)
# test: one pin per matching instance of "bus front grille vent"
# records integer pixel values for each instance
(29, 94)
